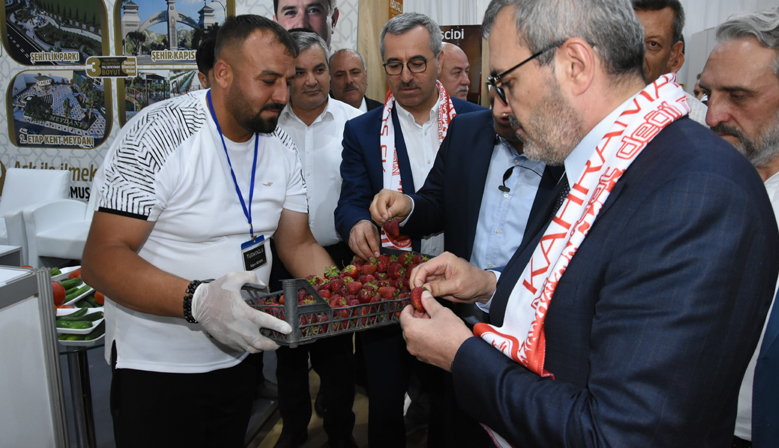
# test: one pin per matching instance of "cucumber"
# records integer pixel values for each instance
(91, 317)
(96, 333)
(70, 284)
(75, 316)
(71, 337)
(74, 325)
(77, 293)
(55, 271)
(92, 302)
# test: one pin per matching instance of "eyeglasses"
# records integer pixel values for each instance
(494, 80)
(414, 66)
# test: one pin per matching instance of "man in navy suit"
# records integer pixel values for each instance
(481, 181)
(410, 45)
(646, 333)
(743, 89)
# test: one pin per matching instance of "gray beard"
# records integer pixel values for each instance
(759, 152)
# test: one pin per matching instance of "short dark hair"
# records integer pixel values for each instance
(306, 39)
(656, 5)
(205, 55)
(238, 28)
(330, 4)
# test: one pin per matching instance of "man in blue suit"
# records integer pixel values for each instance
(743, 89)
(625, 321)
(408, 130)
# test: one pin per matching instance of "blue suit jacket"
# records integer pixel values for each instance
(651, 327)
(451, 198)
(765, 389)
(361, 167)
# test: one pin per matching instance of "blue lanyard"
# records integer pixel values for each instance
(246, 212)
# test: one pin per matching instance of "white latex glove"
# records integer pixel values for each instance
(221, 310)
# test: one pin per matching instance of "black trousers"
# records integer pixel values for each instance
(333, 360)
(168, 410)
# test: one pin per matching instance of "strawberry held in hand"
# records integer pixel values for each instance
(416, 298)
(392, 226)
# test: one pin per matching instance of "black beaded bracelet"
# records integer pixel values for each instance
(188, 301)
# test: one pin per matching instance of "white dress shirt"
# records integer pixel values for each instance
(363, 106)
(422, 146)
(319, 148)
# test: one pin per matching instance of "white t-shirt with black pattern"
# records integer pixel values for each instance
(168, 165)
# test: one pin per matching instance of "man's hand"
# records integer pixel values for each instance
(390, 204)
(454, 279)
(434, 336)
(364, 240)
(221, 310)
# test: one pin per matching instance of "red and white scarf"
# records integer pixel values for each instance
(389, 154)
(521, 337)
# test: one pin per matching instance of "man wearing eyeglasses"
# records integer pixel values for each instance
(319, 16)
(394, 147)
(622, 321)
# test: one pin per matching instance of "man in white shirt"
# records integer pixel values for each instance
(741, 82)
(663, 22)
(349, 80)
(315, 122)
(191, 189)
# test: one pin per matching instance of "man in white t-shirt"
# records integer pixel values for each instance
(741, 82)
(316, 122)
(191, 189)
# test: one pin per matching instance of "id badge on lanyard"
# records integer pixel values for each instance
(252, 251)
(254, 254)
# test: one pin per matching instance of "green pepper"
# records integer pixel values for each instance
(55, 271)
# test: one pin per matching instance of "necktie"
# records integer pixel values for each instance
(564, 190)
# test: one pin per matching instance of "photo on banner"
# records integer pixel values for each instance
(58, 109)
(468, 38)
(54, 32)
(153, 86)
(159, 32)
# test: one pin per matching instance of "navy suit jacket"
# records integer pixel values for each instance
(765, 389)
(651, 327)
(361, 167)
(372, 104)
(451, 198)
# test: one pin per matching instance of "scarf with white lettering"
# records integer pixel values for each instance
(389, 154)
(521, 337)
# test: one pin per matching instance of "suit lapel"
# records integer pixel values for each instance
(407, 179)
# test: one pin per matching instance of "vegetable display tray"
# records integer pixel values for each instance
(318, 320)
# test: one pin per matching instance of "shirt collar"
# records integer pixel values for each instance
(577, 159)
(363, 106)
(289, 113)
(406, 115)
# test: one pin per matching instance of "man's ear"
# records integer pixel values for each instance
(223, 73)
(577, 59)
(441, 59)
(336, 15)
(676, 60)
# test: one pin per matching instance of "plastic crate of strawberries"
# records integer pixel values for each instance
(362, 295)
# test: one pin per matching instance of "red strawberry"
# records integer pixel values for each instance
(368, 269)
(358, 263)
(419, 259)
(351, 271)
(370, 287)
(381, 266)
(366, 279)
(336, 285)
(364, 312)
(364, 296)
(353, 287)
(315, 280)
(416, 298)
(406, 259)
(392, 226)
(351, 298)
(325, 293)
(404, 283)
(409, 269)
(375, 299)
(354, 302)
(387, 292)
(302, 293)
(396, 270)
